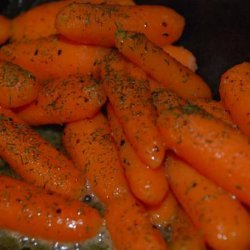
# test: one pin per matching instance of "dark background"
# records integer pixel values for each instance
(217, 31)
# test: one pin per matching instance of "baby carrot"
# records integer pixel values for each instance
(91, 147)
(148, 185)
(89, 144)
(221, 218)
(214, 108)
(214, 148)
(4, 29)
(161, 66)
(35, 160)
(130, 97)
(18, 87)
(179, 231)
(235, 93)
(40, 21)
(97, 24)
(129, 226)
(65, 100)
(53, 57)
(31, 211)
(182, 55)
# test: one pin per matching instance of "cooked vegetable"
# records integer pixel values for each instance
(18, 87)
(147, 184)
(130, 96)
(35, 160)
(64, 100)
(129, 226)
(235, 94)
(54, 57)
(221, 218)
(90, 145)
(161, 66)
(97, 24)
(40, 21)
(31, 211)
(214, 148)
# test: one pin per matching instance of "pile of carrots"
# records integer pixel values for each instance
(140, 129)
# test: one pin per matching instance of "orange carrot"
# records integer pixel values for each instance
(235, 94)
(30, 211)
(214, 148)
(53, 57)
(40, 21)
(130, 97)
(220, 217)
(18, 87)
(161, 66)
(89, 144)
(65, 100)
(214, 108)
(179, 231)
(148, 185)
(97, 24)
(35, 160)
(182, 55)
(4, 29)
(129, 226)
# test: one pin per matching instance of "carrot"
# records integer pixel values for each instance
(97, 24)
(220, 217)
(28, 210)
(130, 97)
(129, 226)
(182, 55)
(35, 160)
(148, 185)
(179, 231)
(40, 21)
(91, 147)
(89, 144)
(65, 100)
(53, 57)
(235, 94)
(161, 66)
(214, 108)
(214, 148)
(18, 87)
(4, 29)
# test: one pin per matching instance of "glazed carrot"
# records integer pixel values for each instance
(129, 226)
(221, 218)
(214, 108)
(180, 231)
(18, 87)
(89, 144)
(235, 94)
(4, 29)
(35, 160)
(97, 24)
(182, 55)
(65, 100)
(130, 97)
(53, 57)
(148, 185)
(31, 211)
(214, 148)
(161, 66)
(40, 21)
